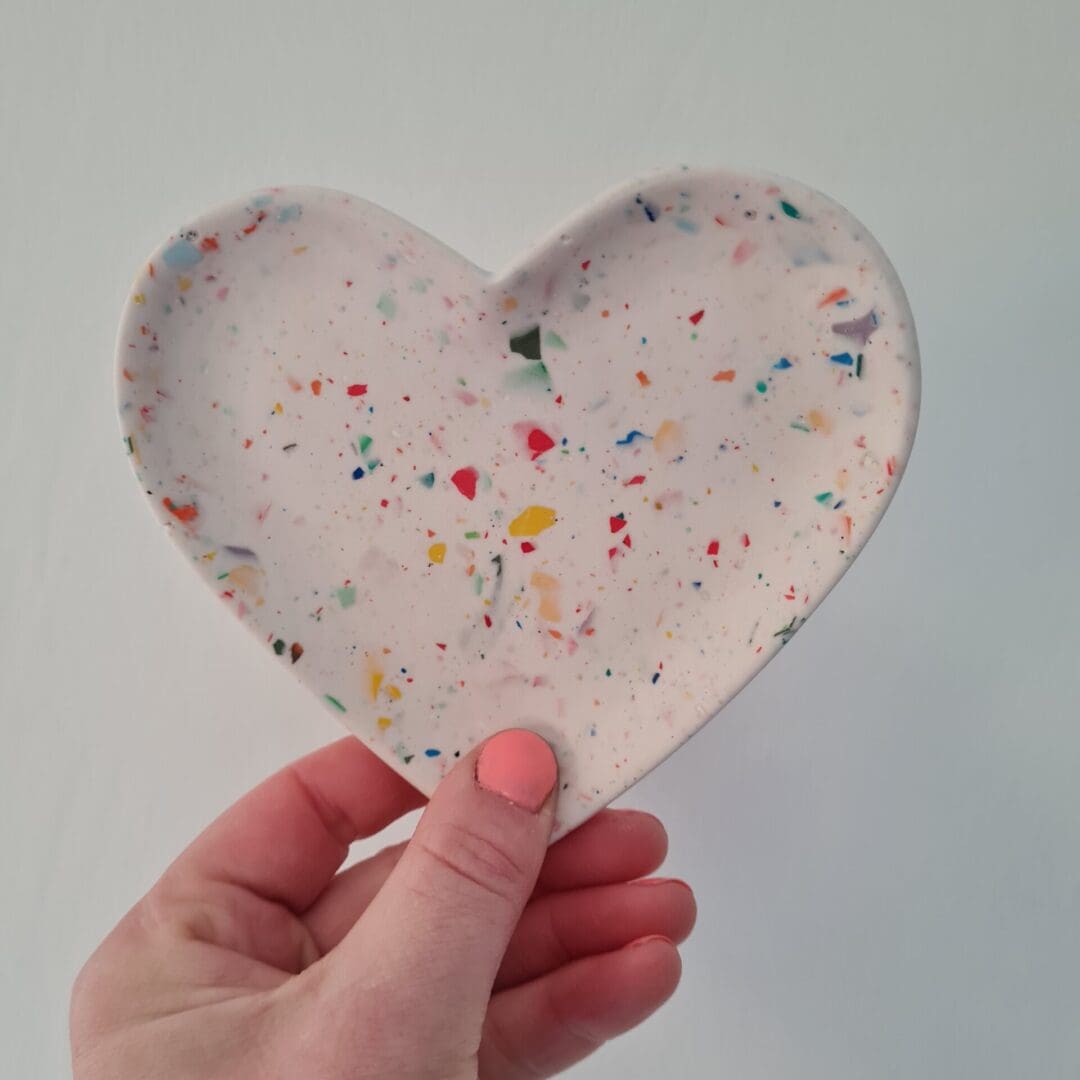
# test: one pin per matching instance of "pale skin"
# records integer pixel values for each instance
(474, 950)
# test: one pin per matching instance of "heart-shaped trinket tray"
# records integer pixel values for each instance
(592, 495)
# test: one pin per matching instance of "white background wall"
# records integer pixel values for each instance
(884, 829)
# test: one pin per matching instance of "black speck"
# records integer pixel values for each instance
(527, 343)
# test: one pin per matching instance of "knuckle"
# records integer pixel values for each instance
(473, 860)
(576, 1032)
(559, 951)
(502, 1056)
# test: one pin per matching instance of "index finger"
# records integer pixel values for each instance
(286, 838)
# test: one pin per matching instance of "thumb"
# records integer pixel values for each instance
(437, 930)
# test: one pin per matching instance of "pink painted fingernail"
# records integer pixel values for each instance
(660, 881)
(649, 940)
(519, 766)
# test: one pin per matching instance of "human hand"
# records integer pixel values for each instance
(472, 950)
